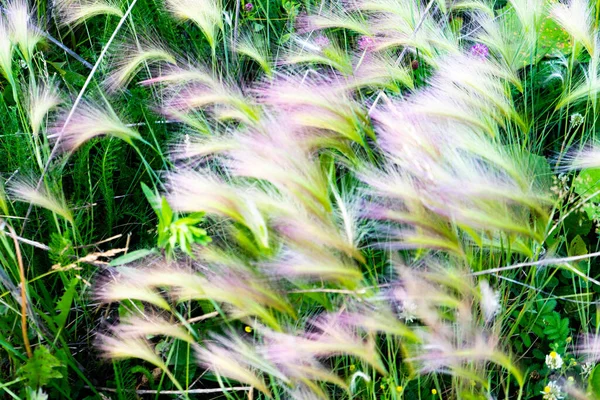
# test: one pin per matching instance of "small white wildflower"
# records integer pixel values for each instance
(586, 369)
(554, 360)
(408, 311)
(577, 120)
(490, 300)
(552, 391)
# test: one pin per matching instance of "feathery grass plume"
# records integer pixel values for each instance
(245, 292)
(454, 342)
(195, 87)
(469, 91)
(497, 202)
(121, 348)
(129, 59)
(330, 335)
(589, 348)
(25, 190)
(506, 39)
(290, 358)
(489, 301)
(298, 366)
(332, 18)
(23, 31)
(161, 274)
(405, 9)
(230, 358)
(318, 49)
(90, 120)
(577, 19)
(141, 327)
(225, 101)
(391, 31)
(588, 87)
(307, 392)
(192, 191)
(316, 104)
(380, 71)
(305, 231)
(318, 265)
(247, 46)
(175, 75)
(6, 51)
(481, 84)
(126, 286)
(577, 159)
(206, 14)
(277, 156)
(470, 5)
(530, 13)
(376, 318)
(403, 138)
(393, 23)
(447, 175)
(42, 98)
(249, 351)
(203, 146)
(428, 230)
(431, 105)
(76, 12)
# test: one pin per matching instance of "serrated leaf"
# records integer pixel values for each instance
(41, 368)
(152, 197)
(547, 307)
(557, 328)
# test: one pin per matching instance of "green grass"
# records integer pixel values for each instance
(332, 207)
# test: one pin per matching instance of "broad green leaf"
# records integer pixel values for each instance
(594, 382)
(64, 305)
(133, 256)
(577, 247)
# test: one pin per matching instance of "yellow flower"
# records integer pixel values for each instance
(248, 329)
(433, 391)
(553, 354)
(352, 367)
(399, 389)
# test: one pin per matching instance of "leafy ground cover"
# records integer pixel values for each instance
(363, 199)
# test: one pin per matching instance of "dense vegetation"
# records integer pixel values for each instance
(358, 199)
